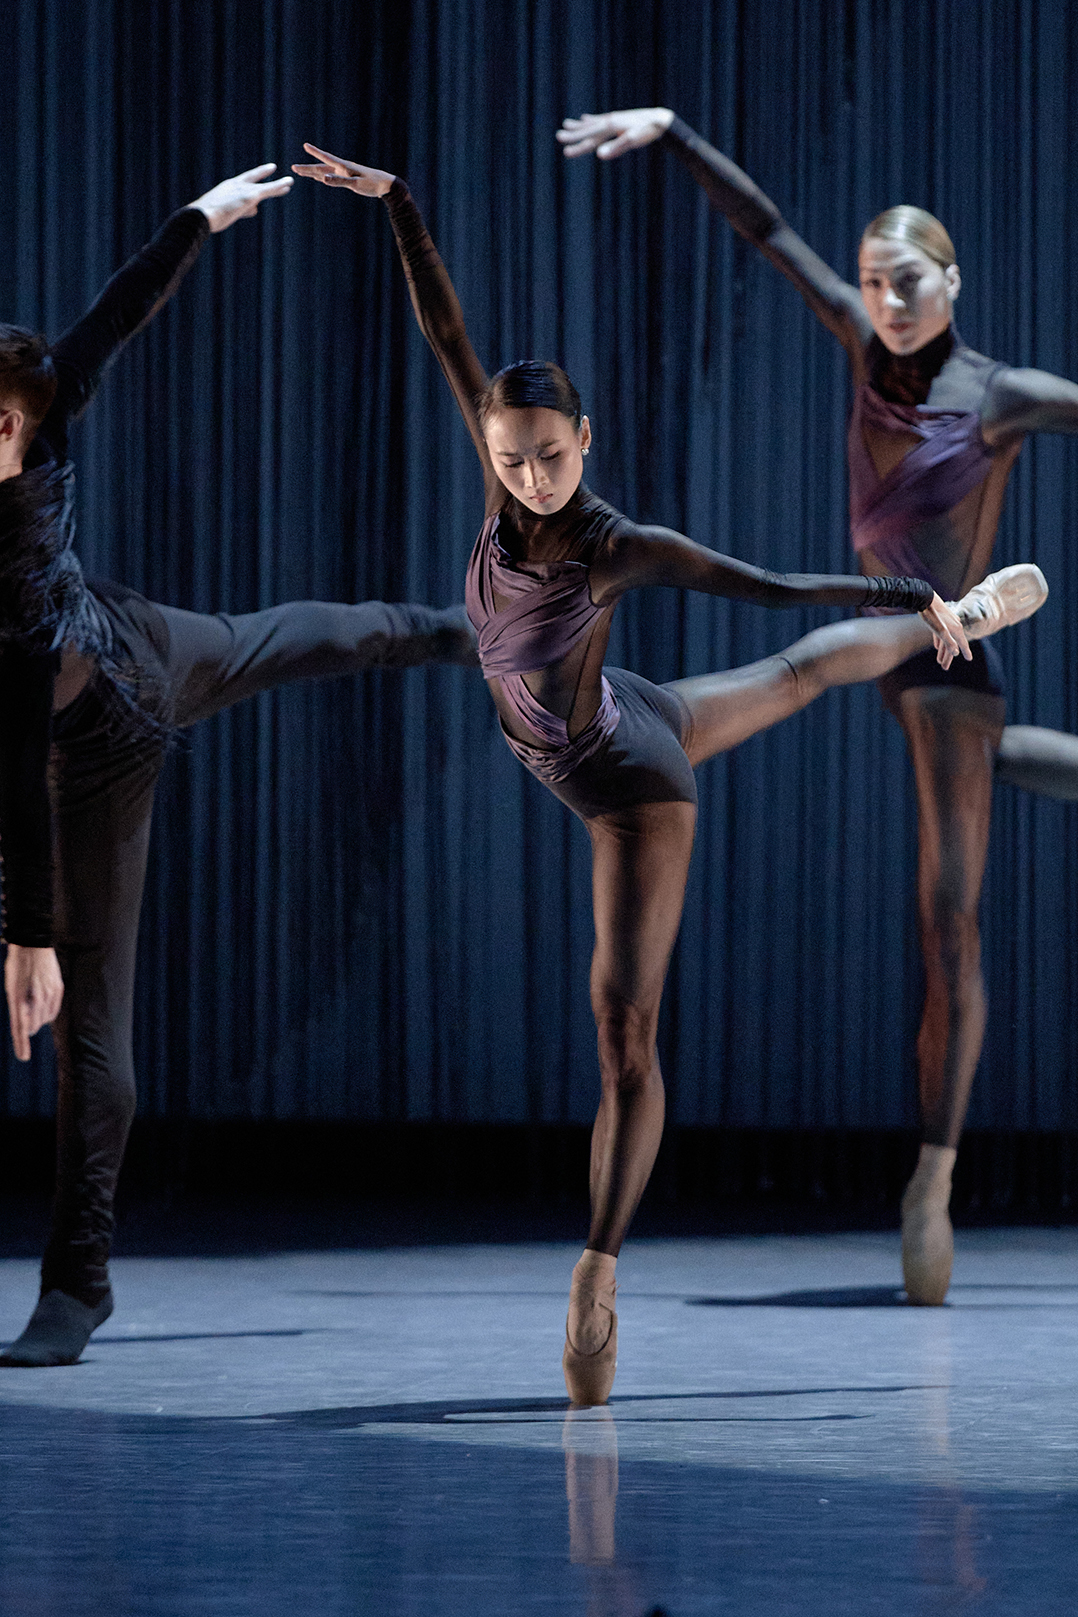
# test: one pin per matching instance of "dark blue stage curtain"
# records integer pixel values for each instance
(359, 905)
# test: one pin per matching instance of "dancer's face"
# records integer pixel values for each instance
(538, 454)
(909, 297)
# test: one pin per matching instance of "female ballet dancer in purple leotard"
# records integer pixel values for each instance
(548, 568)
(934, 432)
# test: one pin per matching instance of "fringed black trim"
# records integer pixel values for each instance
(45, 604)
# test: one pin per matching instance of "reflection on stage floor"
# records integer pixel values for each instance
(386, 1432)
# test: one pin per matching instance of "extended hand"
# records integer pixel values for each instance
(947, 633)
(365, 182)
(239, 197)
(34, 989)
(609, 134)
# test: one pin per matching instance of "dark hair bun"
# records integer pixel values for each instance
(530, 384)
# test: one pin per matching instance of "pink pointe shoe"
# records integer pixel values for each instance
(927, 1236)
(590, 1376)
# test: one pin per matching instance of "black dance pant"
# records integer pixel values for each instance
(104, 773)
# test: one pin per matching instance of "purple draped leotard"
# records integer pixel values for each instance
(633, 750)
(893, 518)
(950, 461)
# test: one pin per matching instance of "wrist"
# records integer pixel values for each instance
(215, 217)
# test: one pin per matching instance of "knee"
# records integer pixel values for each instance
(821, 651)
(99, 1075)
(627, 1060)
(952, 940)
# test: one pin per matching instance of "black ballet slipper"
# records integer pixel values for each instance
(58, 1330)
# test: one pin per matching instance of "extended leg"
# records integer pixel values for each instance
(102, 840)
(952, 736)
(216, 660)
(729, 707)
(640, 860)
(1042, 761)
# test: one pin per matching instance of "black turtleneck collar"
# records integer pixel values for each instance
(907, 378)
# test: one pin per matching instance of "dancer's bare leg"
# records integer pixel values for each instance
(1038, 760)
(952, 736)
(728, 707)
(640, 860)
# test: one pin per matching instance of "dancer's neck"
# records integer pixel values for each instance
(908, 378)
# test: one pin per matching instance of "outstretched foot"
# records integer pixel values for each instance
(58, 1330)
(1002, 599)
(591, 1330)
(927, 1236)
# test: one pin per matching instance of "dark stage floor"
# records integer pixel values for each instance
(385, 1432)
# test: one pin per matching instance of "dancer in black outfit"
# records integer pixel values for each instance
(549, 566)
(935, 431)
(97, 677)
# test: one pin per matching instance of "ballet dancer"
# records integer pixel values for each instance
(96, 677)
(934, 432)
(547, 570)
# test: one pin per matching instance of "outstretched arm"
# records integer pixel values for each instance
(753, 215)
(639, 556)
(437, 307)
(135, 293)
(1021, 401)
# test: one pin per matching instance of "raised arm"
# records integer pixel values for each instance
(135, 293)
(753, 215)
(437, 307)
(638, 556)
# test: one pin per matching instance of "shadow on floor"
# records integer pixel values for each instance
(833, 1297)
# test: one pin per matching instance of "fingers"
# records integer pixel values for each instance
(19, 1019)
(258, 173)
(341, 164)
(615, 148)
(278, 188)
(582, 147)
(327, 176)
(579, 136)
(20, 1041)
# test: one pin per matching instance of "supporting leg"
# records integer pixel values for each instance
(640, 860)
(952, 736)
(102, 841)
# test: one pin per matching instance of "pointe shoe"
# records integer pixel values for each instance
(590, 1376)
(1002, 599)
(927, 1235)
